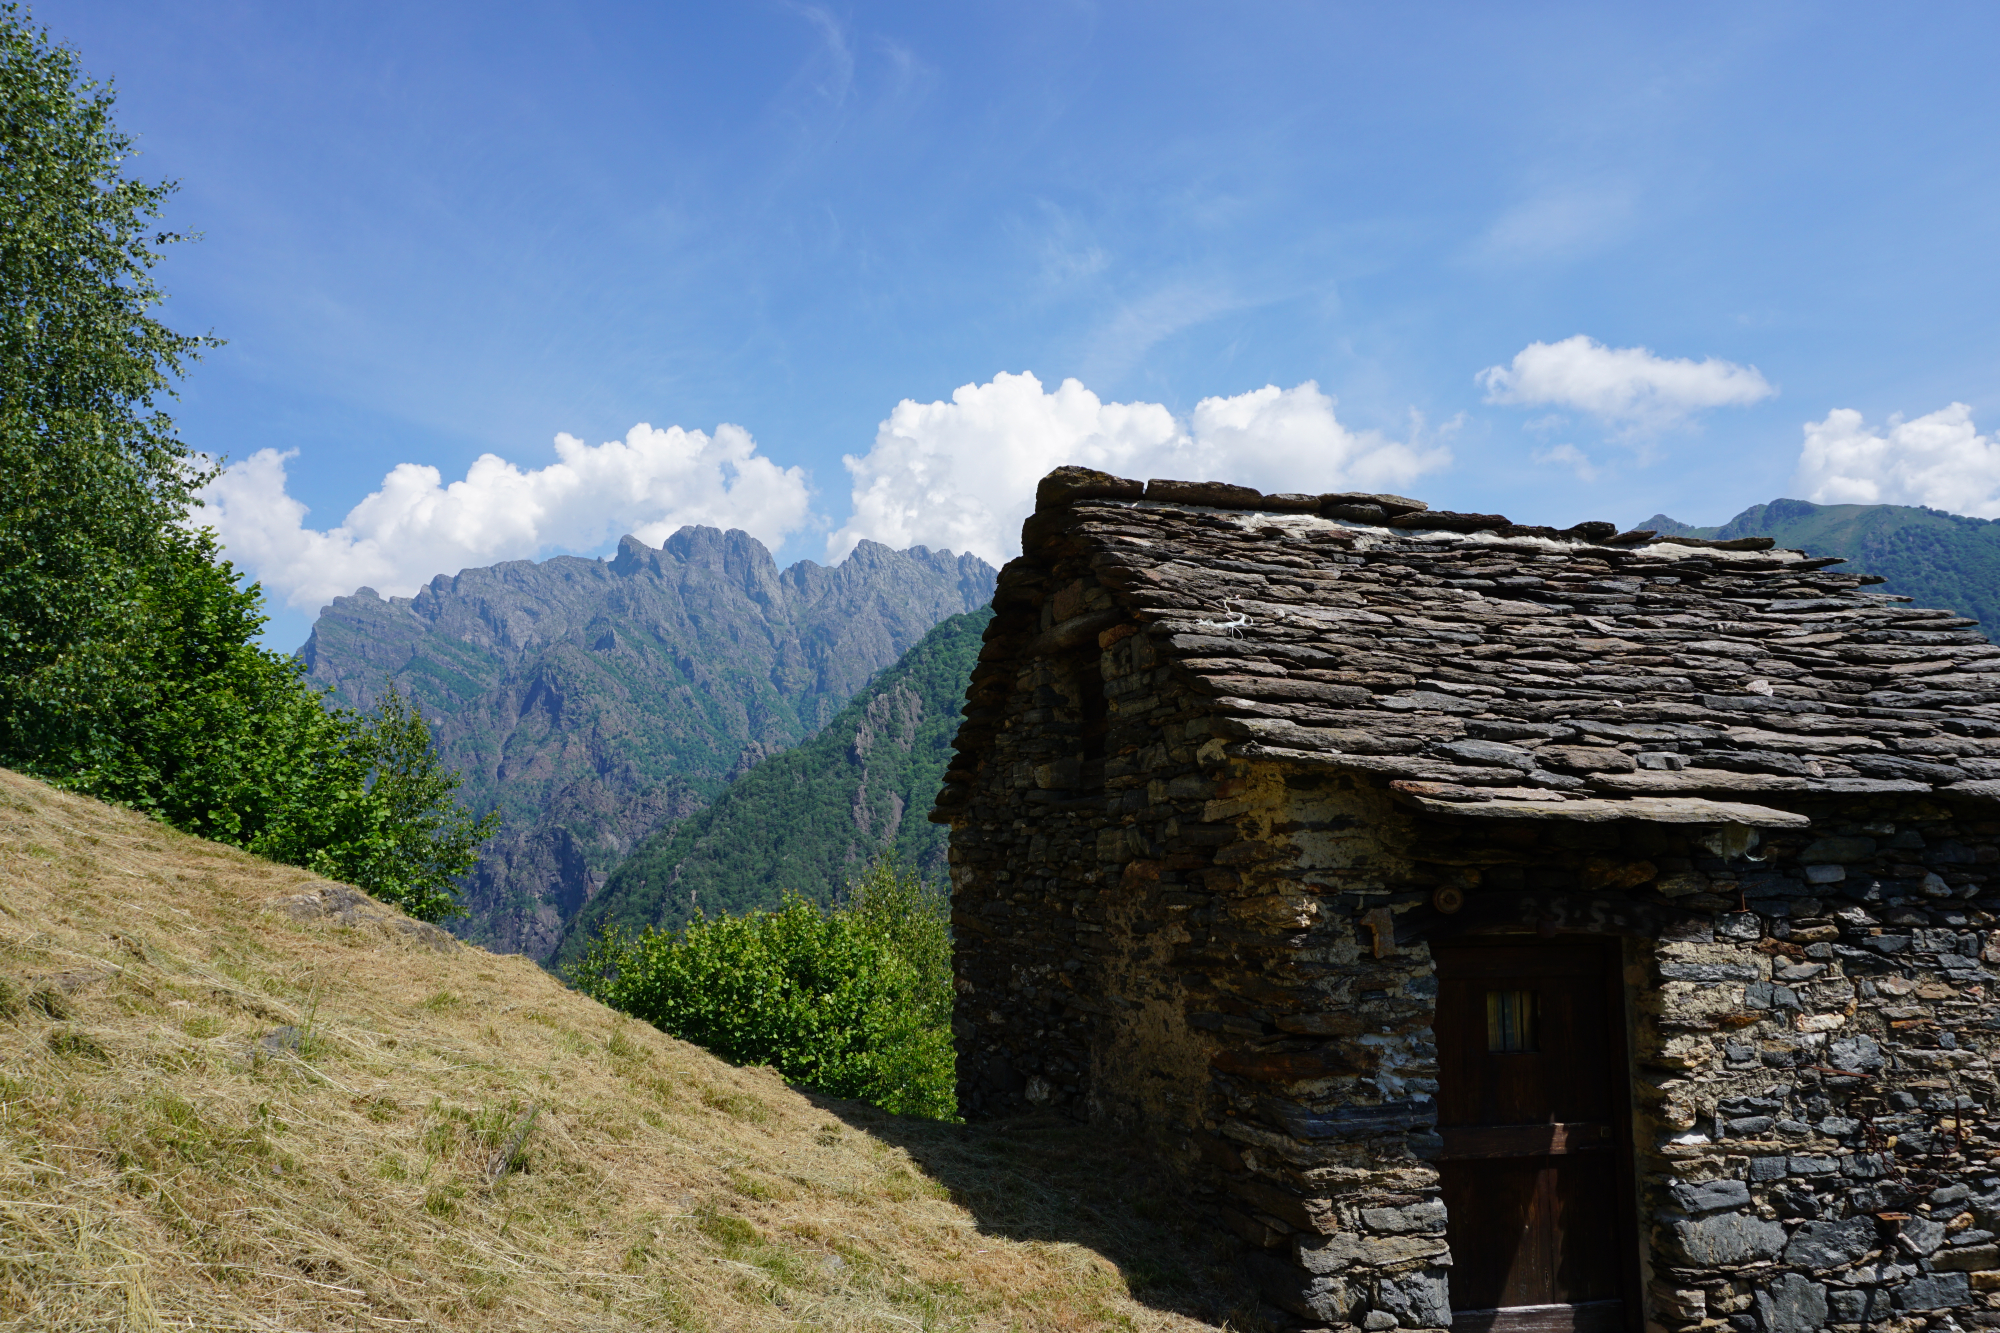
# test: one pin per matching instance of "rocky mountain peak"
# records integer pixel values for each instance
(588, 699)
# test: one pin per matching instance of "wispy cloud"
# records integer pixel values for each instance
(1124, 337)
(1628, 387)
(1562, 222)
(1069, 253)
(831, 76)
(1571, 457)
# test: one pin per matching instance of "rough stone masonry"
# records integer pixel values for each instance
(1233, 764)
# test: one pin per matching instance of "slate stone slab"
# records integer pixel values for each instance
(1728, 1238)
(1821, 1245)
(1934, 1291)
(1711, 1195)
(1792, 1304)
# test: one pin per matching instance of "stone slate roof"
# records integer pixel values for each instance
(1492, 668)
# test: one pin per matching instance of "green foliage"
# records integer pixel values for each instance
(128, 667)
(228, 741)
(806, 818)
(855, 1002)
(93, 479)
(1934, 558)
(387, 819)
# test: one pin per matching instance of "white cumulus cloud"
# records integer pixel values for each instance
(962, 474)
(414, 526)
(1940, 460)
(1571, 457)
(1626, 385)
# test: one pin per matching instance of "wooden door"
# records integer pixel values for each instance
(1532, 1107)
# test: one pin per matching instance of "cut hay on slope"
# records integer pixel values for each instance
(236, 1097)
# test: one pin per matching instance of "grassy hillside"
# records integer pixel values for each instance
(239, 1098)
(815, 816)
(1940, 559)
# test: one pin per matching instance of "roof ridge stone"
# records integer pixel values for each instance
(1562, 626)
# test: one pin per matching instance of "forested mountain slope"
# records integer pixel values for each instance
(1939, 559)
(813, 817)
(588, 700)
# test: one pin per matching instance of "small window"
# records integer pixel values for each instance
(1093, 705)
(1510, 1021)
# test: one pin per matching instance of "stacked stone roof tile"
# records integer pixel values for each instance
(1531, 671)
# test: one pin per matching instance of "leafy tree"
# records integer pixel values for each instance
(128, 663)
(94, 481)
(855, 1002)
(380, 810)
(228, 741)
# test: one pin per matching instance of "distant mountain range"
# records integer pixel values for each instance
(691, 729)
(1939, 559)
(590, 700)
(815, 817)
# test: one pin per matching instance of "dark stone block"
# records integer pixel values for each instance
(1708, 972)
(1855, 1307)
(1291, 1288)
(1792, 1304)
(1388, 504)
(1921, 1236)
(1218, 494)
(1418, 1300)
(1711, 1195)
(1425, 1218)
(1837, 851)
(1858, 1054)
(1350, 1122)
(1934, 1291)
(1492, 753)
(1728, 1238)
(1447, 521)
(1831, 1244)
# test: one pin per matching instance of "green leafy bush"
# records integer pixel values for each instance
(855, 1002)
(368, 803)
(227, 740)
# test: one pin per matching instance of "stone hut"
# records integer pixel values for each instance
(1497, 927)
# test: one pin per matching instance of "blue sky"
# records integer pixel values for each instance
(438, 231)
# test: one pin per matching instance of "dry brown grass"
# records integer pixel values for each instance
(225, 1105)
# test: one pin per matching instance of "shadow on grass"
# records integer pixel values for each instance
(1050, 1179)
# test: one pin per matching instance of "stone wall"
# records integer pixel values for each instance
(1231, 957)
(1068, 905)
(1138, 943)
(1816, 1079)
(1157, 935)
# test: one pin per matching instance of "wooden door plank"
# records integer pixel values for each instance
(1464, 1143)
(1587, 1317)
